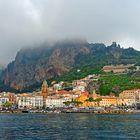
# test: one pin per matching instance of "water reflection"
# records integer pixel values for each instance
(69, 126)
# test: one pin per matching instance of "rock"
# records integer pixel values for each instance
(33, 65)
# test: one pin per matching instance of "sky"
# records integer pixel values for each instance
(25, 23)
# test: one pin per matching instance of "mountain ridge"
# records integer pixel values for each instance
(33, 65)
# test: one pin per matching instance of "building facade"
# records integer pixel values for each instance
(3, 100)
(132, 96)
(30, 101)
(117, 68)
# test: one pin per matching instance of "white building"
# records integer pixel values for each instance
(3, 100)
(30, 101)
(79, 88)
(59, 99)
(55, 102)
(79, 85)
(131, 102)
(57, 86)
(137, 68)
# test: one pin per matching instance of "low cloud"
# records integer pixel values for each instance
(27, 22)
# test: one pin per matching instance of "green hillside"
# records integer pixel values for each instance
(116, 83)
(67, 61)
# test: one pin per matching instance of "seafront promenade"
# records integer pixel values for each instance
(74, 110)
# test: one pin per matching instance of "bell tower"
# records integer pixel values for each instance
(44, 89)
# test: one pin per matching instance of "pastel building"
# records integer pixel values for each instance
(108, 101)
(102, 101)
(132, 96)
(12, 98)
(83, 101)
(7, 97)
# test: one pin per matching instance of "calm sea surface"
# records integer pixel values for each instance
(69, 127)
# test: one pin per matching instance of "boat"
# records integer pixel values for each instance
(25, 111)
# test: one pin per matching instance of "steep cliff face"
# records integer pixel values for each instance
(33, 65)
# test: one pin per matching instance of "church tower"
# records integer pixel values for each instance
(44, 89)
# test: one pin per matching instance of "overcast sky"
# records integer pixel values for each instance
(27, 22)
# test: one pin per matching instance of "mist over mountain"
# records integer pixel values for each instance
(33, 65)
(1, 68)
(28, 22)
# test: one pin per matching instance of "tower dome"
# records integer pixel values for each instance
(45, 83)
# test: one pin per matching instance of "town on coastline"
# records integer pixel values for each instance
(56, 99)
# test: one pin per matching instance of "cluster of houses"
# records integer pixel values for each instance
(56, 96)
(126, 98)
